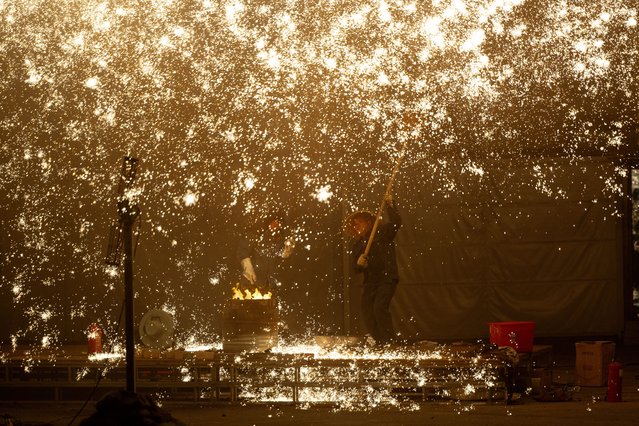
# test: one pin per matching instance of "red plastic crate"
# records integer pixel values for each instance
(519, 335)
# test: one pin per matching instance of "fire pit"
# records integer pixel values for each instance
(250, 322)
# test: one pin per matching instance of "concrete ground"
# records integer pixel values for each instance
(572, 405)
(583, 410)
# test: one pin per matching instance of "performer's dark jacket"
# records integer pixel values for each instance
(382, 264)
(266, 257)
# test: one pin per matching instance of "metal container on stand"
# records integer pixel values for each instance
(250, 325)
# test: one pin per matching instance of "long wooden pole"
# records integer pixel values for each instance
(378, 217)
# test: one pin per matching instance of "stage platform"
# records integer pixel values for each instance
(292, 375)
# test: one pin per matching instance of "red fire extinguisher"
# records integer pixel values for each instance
(615, 373)
(95, 339)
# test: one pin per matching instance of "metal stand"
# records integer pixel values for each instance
(121, 239)
(128, 215)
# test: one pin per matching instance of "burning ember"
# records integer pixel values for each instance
(246, 295)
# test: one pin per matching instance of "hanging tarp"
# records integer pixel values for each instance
(515, 252)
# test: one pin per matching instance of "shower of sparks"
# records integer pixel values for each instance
(324, 193)
(106, 356)
(357, 378)
(236, 108)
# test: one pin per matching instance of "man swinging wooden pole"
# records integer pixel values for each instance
(374, 248)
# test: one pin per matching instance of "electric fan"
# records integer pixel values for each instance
(156, 329)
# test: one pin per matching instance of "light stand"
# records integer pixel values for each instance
(121, 239)
(128, 215)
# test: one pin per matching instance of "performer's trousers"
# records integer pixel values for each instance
(376, 300)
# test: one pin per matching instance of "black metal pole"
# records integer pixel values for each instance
(128, 215)
(346, 279)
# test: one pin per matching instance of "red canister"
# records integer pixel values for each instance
(94, 339)
(615, 373)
